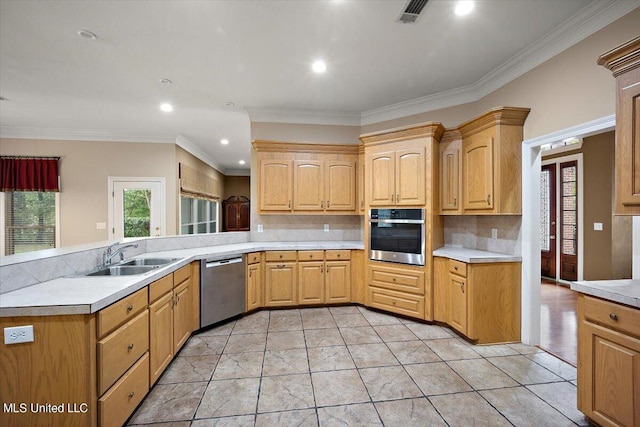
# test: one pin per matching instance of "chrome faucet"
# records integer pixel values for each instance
(109, 253)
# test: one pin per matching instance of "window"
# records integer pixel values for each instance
(28, 221)
(198, 216)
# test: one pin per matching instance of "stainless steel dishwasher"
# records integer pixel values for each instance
(221, 290)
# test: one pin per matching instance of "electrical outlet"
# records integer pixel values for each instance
(597, 226)
(18, 334)
(494, 233)
(101, 225)
(259, 228)
(326, 227)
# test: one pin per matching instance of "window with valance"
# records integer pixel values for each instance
(199, 196)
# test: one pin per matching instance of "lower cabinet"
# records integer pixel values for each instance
(311, 282)
(280, 281)
(254, 281)
(399, 289)
(608, 362)
(479, 300)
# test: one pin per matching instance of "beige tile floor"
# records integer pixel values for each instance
(352, 366)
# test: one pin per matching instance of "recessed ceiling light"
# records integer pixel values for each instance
(319, 67)
(224, 141)
(164, 81)
(242, 162)
(166, 107)
(87, 35)
(464, 7)
(229, 104)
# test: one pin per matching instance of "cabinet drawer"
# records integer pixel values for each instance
(612, 315)
(338, 255)
(310, 255)
(397, 279)
(397, 302)
(181, 274)
(458, 267)
(275, 256)
(160, 287)
(122, 399)
(253, 258)
(119, 350)
(122, 311)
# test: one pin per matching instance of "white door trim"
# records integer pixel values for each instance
(531, 167)
(110, 182)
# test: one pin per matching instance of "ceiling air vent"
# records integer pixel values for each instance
(412, 11)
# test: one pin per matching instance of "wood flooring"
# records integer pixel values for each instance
(559, 321)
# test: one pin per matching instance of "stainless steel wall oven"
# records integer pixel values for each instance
(397, 235)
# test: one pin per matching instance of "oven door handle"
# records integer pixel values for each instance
(397, 221)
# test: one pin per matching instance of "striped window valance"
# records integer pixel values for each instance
(194, 183)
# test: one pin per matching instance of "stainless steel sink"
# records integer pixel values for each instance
(122, 270)
(149, 261)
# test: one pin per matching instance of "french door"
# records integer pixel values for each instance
(136, 207)
(559, 244)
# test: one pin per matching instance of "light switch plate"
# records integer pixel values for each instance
(326, 227)
(494, 233)
(259, 228)
(101, 225)
(597, 226)
(18, 334)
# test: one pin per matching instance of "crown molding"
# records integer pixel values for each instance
(237, 172)
(193, 148)
(597, 15)
(83, 135)
(314, 117)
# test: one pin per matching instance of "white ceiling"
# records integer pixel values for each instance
(257, 54)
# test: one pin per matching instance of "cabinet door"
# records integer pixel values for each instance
(458, 303)
(340, 185)
(610, 380)
(409, 177)
(254, 287)
(311, 282)
(338, 281)
(160, 335)
(449, 180)
(244, 217)
(231, 216)
(280, 284)
(361, 184)
(478, 174)
(382, 178)
(627, 151)
(275, 185)
(440, 289)
(182, 318)
(308, 185)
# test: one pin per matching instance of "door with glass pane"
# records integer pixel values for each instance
(138, 208)
(569, 220)
(548, 221)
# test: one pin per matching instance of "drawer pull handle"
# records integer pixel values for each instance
(281, 265)
(129, 307)
(131, 394)
(130, 347)
(455, 267)
(613, 316)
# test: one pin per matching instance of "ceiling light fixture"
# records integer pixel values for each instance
(164, 81)
(86, 34)
(166, 107)
(319, 67)
(229, 104)
(224, 141)
(242, 162)
(464, 7)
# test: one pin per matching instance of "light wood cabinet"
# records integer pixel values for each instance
(397, 175)
(324, 277)
(608, 362)
(183, 292)
(254, 281)
(338, 281)
(280, 282)
(361, 180)
(624, 61)
(491, 173)
(399, 289)
(311, 282)
(450, 174)
(479, 300)
(307, 178)
(276, 185)
(160, 335)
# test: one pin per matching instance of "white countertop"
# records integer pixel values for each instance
(85, 295)
(474, 255)
(622, 291)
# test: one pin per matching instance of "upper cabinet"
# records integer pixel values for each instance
(361, 179)
(396, 165)
(481, 166)
(624, 62)
(307, 178)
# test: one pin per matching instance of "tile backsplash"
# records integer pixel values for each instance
(474, 232)
(308, 228)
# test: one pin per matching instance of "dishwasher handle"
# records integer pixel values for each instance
(223, 262)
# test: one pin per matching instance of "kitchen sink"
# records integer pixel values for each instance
(122, 270)
(148, 261)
